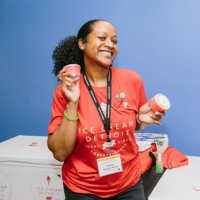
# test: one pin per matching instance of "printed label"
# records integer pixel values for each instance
(5, 187)
(146, 136)
(159, 167)
(47, 186)
(36, 143)
(162, 101)
(109, 165)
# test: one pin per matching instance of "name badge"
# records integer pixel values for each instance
(109, 165)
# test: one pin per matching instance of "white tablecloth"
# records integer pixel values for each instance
(174, 184)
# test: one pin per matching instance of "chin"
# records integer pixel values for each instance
(106, 64)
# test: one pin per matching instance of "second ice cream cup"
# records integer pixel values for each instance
(160, 103)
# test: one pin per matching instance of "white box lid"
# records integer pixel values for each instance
(27, 149)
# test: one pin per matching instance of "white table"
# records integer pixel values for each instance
(174, 183)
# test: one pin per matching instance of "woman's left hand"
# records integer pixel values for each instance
(148, 116)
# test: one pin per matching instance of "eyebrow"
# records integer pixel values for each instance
(107, 33)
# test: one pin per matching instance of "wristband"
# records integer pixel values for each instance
(69, 118)
(137, 119)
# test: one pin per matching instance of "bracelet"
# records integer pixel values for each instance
(69, 118)
(137, 119)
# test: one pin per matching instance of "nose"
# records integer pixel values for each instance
(109, 43)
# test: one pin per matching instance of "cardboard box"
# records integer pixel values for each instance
(28, 170)
(161, 140)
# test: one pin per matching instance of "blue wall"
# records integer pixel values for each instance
(158, 39)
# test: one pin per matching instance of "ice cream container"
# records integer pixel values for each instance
(75, 69)
(161, 140)
(160, 103)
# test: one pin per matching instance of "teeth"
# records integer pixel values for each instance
(105, 52)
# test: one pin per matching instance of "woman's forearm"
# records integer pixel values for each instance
(140, 126)
(63, 140)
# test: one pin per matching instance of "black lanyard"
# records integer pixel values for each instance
(105, 120)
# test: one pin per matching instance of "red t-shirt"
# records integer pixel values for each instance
(80, 171)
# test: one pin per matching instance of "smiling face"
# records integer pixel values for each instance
(100, 47)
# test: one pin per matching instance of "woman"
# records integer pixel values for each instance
(80, 135)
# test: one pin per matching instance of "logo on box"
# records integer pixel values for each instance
(5, 187)
(47, 186)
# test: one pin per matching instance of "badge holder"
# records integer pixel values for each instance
(109, 165)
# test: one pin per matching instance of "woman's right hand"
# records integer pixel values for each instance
(63, 140)
(69, 87)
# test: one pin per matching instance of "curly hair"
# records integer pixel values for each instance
(68, 51)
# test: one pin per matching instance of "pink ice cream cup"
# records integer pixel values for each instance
(75, 69)
(160, 103)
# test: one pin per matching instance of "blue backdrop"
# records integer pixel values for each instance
(158, 39)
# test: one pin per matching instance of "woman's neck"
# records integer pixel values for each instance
(97, 75)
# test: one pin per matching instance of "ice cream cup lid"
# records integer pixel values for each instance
(162, 101)
(71, 65)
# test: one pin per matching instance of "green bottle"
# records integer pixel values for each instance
(159, 164)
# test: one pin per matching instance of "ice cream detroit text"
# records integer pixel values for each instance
(119, 135)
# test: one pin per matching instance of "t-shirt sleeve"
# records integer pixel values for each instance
(142, 95)
(58, 107)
